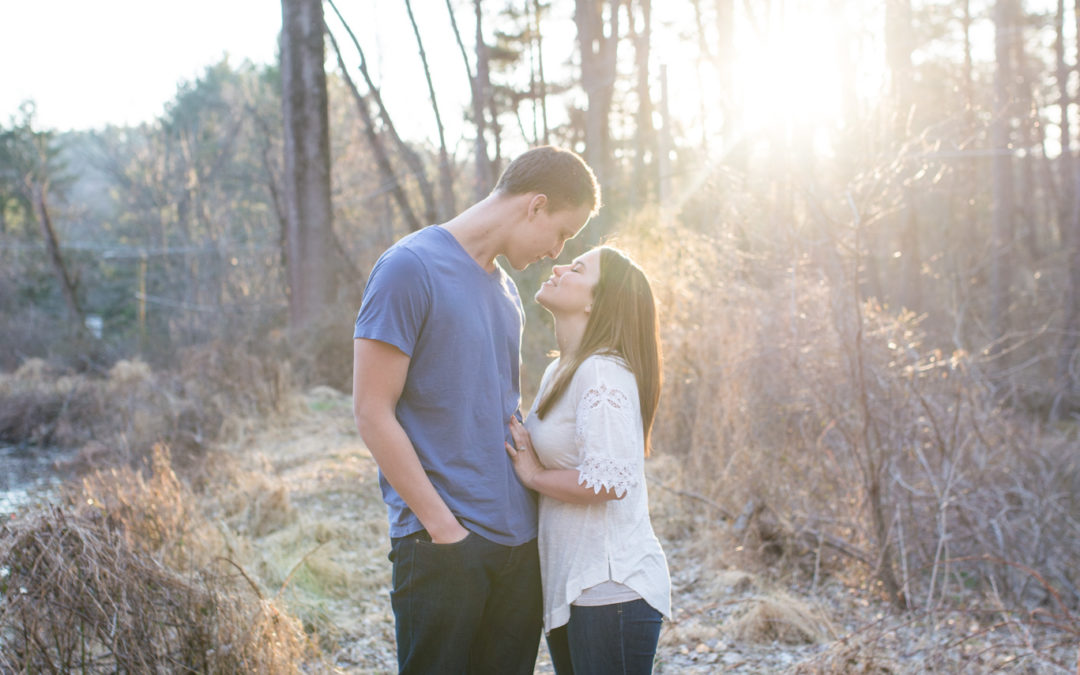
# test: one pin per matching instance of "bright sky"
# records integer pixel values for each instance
(87, 63)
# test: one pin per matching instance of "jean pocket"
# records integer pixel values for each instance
(423, 540)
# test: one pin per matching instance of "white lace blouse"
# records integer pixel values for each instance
(596, 428)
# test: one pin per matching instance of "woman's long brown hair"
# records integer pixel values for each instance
(623, 321)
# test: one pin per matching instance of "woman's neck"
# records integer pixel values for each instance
(569, 330)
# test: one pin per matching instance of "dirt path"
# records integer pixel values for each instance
(307, 518)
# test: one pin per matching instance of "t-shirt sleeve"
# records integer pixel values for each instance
(607, 437)
(396, 301)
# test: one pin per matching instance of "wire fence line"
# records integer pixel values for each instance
(119, 252)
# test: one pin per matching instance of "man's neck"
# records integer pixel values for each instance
(481, 228)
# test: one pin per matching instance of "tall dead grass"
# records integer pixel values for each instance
(78, 597)
(128, 577)
(781, 618)
(836, 439)
(118, 417)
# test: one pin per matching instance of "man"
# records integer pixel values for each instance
(436, 352)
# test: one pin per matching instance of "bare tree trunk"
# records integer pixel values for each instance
(847, 52)
(382, 159)
(1065, 205)
(1002, 169)
(273, 181)
(699, 65)
(496, 134)
(52, 245)
(898, 49)
(1068, 379)
(486, 176)
(725, 65)
(410, 157)
(1026, 224)
(446, 178)
(479, 85)
(309, 237)
(598, 49)
(961, 253)
(1066, 375)
(664, 189)
(645, 143)
(875, 460)
(541, 82)
(534, 87)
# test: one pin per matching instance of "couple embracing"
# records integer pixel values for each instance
(499, 528)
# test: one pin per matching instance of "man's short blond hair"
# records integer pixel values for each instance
(560, 174)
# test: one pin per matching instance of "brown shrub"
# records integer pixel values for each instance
(130, 577)
(232, 377)
(778, 617)
(40, 408)
(152, 508)
(81, 595)
(132, 408)
(849, 442)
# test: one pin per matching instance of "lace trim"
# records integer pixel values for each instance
(599, 470)
(593, 399)
(607, 473)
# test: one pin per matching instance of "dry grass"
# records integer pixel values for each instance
(830, 438)
(126, 579)
(151, 508)
(779, 617)
(130, 575)
(41, 406)
(218, 392)
(757, 466)
(79, 598)
(301, 511)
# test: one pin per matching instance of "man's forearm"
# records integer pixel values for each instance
(396, 457)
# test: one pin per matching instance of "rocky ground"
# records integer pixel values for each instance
(305, 517)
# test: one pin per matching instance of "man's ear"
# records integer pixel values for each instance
(537, 203)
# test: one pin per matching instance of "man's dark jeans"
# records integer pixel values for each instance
(615, 639)
(469, 607)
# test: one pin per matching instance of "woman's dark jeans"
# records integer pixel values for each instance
(607, 640)
(469, 607)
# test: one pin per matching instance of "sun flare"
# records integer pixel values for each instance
(790, 74)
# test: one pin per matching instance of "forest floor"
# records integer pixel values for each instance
(302, 513)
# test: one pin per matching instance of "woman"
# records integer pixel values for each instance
(583, 446)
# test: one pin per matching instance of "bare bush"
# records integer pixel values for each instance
(778, 617)
(127, 579)
(151, 508)
(116, 419)
(235, 378)
(78, 597)
(845, 439)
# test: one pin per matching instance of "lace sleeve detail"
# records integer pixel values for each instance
(606, 473)
(605, 432)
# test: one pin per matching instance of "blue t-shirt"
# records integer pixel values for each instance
(461, 328)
